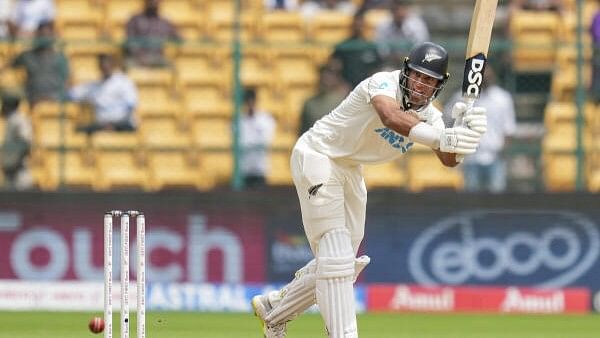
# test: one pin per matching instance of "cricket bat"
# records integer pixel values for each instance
(480, 35)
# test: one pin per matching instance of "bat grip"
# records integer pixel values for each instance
(469, 101)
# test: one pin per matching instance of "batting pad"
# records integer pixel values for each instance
(295, 297)
(299, 294)
(334, 286)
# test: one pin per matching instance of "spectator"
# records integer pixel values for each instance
(485, 171)
(257, 129)
(395, 37)
(358, 57)
(6, 8)
(595, 34)
(147, 33)
(287, 5)
(47, 69)
(310, 8)
(16, 146)
(27, 15)
(331, 92)
(113, 98)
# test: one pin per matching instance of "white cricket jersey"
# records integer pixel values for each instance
(354, 132)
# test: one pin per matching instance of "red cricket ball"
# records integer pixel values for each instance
(96, 325)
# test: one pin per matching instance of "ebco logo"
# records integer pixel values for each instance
(542, 248)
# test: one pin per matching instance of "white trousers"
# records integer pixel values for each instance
(332, 194)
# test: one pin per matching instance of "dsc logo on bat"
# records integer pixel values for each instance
(474, 76)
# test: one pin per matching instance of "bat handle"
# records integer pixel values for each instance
(469, 101)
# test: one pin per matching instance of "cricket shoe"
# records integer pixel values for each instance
(261, 307)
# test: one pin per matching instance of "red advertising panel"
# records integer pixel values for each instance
(183, 246)
(410, 298)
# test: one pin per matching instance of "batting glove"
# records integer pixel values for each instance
(459, 140)
(474, 118)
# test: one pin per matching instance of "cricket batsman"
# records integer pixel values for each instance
(377, 122)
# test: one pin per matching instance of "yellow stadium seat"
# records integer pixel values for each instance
(561, 112)
(157, 102)
(52, 133)
(204, 64)
(295, 65)
(563, 137)
(72, 169)
(330, 27)
(54, 110)
(390, 174)
(212, 133)
(114, 140)
(220, 23)
(151, 77)
(184, 15)
(279, 172)
(256, 68)
(294, 96)
(425, 171)
(118, 13)
(270, 100)
(284, 140)
(174, 168)
(593, 118)
(12, 78)
(216, 167)
(163, 133)
(568, 54)
(564, 80)
(155, 90)
(119, 169)
(593, 171)
(281, 26)
(79, 19)
(559, 171)
(534, 34)
(210, 100)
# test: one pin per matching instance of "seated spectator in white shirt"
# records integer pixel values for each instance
(113, 98)
(27, 15)
(396, 37)
(311, 8)
(285, 5)
(257, 128)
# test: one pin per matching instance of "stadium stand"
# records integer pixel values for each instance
(185, 108)
(534, 35)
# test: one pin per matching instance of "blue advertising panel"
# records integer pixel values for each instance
(524, 247)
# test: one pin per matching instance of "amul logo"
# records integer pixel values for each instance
(541, 248)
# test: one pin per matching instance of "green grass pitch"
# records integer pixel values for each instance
(203, 325)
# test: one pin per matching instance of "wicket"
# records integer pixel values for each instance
(141, 272)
